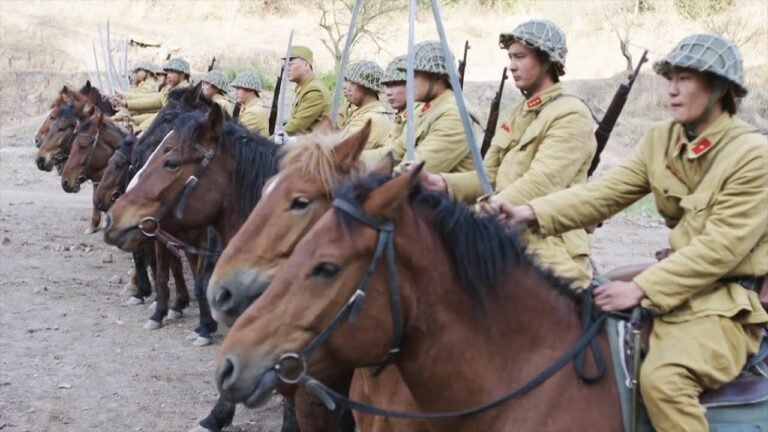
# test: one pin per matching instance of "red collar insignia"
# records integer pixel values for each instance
(701, 146)
(505, 127)
(534, 102)
(426, 107)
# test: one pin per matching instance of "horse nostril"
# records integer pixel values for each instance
(38, 142)
(40, 162)
(65, 184)
(107, 222)
(222, 299)
(115, 195)
(81, 179)
(226, 375)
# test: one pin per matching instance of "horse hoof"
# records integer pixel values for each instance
(133, 301)
(152, 325)
(90, 230)
(173, 315)
(202, 341)
(152, 305)
(199, 428)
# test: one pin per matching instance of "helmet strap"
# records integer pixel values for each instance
(531, 89)
(431, 88)
(718, 91)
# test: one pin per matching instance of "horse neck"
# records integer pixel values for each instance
(455, 357)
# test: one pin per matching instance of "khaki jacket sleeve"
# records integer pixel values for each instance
(567, 145)
(466, 186)
(308, 111)
(146, 103)
(444, 145)
(396, 146)
(734, 226)
(589, 204)
(255, 121)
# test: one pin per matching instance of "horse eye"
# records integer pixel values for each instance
(326, 270)
(300, 203)
(171, 165)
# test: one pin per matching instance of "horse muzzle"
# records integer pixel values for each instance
(70, 187)
(237, 384)
(231, 295)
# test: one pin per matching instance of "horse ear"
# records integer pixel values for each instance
(386, 165)
(214, 121)
(86, 87)
(325, 125)
(385, 200)
(347, 152)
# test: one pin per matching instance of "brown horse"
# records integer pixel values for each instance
(64, 97)
(94, 142)
(477, 316)
(294, 200)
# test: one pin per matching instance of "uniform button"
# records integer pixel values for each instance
(666, 191)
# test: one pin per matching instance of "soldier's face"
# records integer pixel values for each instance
(688, 94)
(354, 93)
(208, 89)
(298, 70)
(396, 96)
(243, 95)
(139, 76)
(173, 78)
(524, 65)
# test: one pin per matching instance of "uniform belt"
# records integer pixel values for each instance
(752, 283)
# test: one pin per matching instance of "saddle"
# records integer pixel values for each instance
(741, 405)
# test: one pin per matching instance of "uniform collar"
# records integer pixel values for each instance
(703, 143)
(306, 82)
(536, 102)
(446, 95)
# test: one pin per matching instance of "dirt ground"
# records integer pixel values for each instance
(74, 356)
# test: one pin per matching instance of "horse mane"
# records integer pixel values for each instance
(95, 96)
(105, 122)
(255, 157)
(483, 252)
(314, 153)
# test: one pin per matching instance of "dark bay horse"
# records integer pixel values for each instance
(476, 315)
(294, 200)
(93, 144)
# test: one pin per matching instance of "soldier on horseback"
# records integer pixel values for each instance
(253, 116)
(708, 172)
(362, 86)
(214, 87)
(542, 145)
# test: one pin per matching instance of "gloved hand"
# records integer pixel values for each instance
(282, 138)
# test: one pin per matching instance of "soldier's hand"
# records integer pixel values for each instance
(429, 181)
(618, 295)
(283, 138)
(508, 214)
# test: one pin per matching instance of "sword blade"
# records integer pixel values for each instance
(283, 86)
(344, 61)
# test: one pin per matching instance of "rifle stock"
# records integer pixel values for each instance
(213, 62)
(463, 64)
(606, 125)
(275, 101)
(493, 116)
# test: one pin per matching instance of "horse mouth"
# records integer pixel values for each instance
(253, 392)
(124, 239)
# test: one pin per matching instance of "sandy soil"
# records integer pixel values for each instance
(74, 356)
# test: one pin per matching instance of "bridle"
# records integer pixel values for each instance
(150, 225)
(291, 368)
(87, 165)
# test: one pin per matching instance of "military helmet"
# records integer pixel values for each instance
(247, 80)
(365, 73)
(177, 64)
(145, 66)
(428, 57)
(217, 79)
(706, 53)
(159, 70)
(543, 35)
(393, 73)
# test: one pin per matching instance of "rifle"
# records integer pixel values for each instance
(463, 64)
(275, 100)
(606, 125)
(493, 116)
(210, 66)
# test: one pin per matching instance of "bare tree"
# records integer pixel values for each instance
(738, 23)
(334, 20)
(622, 20)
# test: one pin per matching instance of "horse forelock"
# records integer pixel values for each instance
(137, 176)
(314, 154)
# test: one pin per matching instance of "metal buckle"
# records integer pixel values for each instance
(281, 368)
(149, 232)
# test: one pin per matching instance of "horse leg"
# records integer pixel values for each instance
(182, 294)
(161, 284)
(205, 266)
(142, 288)
(95, 215)
(220, 416)
(290, 422)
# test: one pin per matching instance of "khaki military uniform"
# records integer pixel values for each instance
(254, 117)
(224, 103)
(439, 138)
(153, 102)
(380, 124)
(313, 100)
(541, 146)
(713, 193)
(148, 86)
